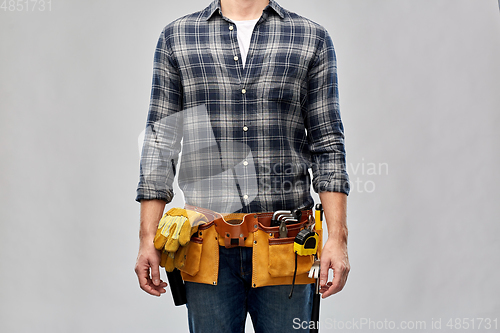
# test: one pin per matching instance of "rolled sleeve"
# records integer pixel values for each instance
(324, 126)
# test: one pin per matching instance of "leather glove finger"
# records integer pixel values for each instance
(169, 263)
(172, 244)
(163, 231)
(163, 259)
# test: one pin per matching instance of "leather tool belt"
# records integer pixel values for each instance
(273, 256)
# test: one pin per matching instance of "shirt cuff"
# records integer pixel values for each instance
(332, 182)
(152, 194)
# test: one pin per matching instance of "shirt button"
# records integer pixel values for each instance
(245, 128)
(231, 27)
(245, 197)
(243, 91)
(245, 163)
(235, 58)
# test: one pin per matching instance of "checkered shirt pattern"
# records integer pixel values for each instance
(249, 136)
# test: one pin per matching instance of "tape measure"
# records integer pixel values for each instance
(306, 242)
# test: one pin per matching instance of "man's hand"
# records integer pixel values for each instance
(147, 269)
(147, 266)
(334, 254)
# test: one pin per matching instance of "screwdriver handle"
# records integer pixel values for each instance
(318, 216)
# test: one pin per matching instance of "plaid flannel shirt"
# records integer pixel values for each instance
(249, 136)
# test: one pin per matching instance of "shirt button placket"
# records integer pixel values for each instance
(243, 92)
(245, 128)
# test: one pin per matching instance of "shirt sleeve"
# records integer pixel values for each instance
(324, 126)
(163, 132)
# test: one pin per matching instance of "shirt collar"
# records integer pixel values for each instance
(215, 7)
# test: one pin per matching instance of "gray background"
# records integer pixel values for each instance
(419, 83)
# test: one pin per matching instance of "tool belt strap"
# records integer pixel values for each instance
(234, 229)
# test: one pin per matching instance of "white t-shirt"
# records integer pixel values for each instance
(245, 30)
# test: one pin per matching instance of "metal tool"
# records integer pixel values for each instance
(274, 220)
(281, 218)
(281, 214)
(283, 229)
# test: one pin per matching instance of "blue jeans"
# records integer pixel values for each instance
(223, 308)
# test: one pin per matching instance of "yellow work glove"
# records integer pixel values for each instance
(174, 232)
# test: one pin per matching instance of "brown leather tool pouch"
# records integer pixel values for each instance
(202, 257)
(273, 261)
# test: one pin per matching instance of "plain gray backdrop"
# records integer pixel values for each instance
(419, 88)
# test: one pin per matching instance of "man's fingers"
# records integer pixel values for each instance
(151, 289)
(155, 274)
(323, 276)
(340, 272)
(148, 286)
(155, 290)
(151, 284)
(143, 281)
(333, 287)
(338, 283)
(142, 272)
